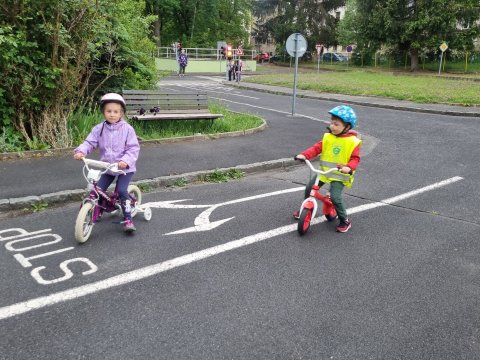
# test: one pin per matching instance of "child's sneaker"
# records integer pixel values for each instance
(296, 215)
(128, 226)
(344, 226)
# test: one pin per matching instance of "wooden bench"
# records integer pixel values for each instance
(155, 105)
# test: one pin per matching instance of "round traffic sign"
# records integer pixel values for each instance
(296, 45)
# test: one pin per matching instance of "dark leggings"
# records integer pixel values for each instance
(122, 187)
(336, 189)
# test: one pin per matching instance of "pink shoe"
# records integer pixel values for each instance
(128, 226)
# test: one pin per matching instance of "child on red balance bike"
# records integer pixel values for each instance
(340, 147)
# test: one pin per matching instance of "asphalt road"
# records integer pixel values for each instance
(402, 284)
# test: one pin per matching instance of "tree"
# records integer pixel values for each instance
(55, 55)
(278, 19)
(200, 23)
(415, 25)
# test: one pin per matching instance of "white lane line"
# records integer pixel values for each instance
(168, 88)
(223, 92)
(148, 271)
(274, 110)
(211, 78)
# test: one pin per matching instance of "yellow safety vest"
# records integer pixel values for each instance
(337, 150)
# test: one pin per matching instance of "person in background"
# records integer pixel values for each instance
(231, 70)
(238, 67)
(182, 62)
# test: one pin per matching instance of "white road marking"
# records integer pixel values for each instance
(223, 92)
(168, 89)
(206, 87)
(211, 78)
(172, 204)
(274, 110)
(202, 221)
(148, 271)
(239, 103)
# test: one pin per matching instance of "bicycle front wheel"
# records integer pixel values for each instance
(84, 223)
(304, 221)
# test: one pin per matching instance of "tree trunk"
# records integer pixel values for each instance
(156, 25)
(414, 59)
(156, 31)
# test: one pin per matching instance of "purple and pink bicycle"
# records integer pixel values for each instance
(97, 202)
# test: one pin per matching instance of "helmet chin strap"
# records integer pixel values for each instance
(345, 130)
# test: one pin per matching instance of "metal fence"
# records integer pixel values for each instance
(453, 61)
(203, 53)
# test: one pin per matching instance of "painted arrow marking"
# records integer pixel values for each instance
(202, 222)
(172, 204)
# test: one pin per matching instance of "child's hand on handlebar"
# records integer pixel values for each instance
(78, 155)
(344, 169)
(300, 157)
(122, 165)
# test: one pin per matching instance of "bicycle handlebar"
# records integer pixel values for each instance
(102, 165)
(317, 170)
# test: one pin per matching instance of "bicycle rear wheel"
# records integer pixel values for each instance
(304, 221)
(136, 196)
(84, 223)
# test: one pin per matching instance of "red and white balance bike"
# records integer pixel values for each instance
(309, 206)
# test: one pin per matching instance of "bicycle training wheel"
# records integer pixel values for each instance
(304, 221)
(84, 223)
(136, 195)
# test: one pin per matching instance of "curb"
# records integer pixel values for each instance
(352, 101)
(65, 196)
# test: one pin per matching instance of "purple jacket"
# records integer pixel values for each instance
(115, 142)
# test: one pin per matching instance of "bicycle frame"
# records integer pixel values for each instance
(311, 201)
(109, 203)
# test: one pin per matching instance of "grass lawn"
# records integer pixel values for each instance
(419, 88)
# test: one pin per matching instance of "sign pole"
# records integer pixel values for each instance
(441, 60)
(443, 48)
(295, 75)
(296, 46)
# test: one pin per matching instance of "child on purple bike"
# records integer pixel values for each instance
(117, 143)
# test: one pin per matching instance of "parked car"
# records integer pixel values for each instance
(274, 58)
(263, 57)
(307, 56)
(333, 57)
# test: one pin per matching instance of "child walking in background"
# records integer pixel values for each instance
(117, 143)
(182, 62)
(339, 146)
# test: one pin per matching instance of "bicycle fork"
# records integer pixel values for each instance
(328, 209)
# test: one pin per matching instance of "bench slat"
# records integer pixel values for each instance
(155, 92)
(160, 102)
